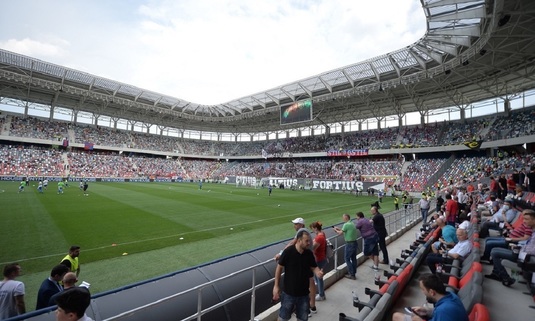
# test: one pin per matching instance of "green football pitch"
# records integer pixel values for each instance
(130, 232)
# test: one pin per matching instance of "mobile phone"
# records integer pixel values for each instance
(409, 310)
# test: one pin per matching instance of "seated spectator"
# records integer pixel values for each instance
(498, 254)
(505, 215)
(448, 306)
(448, 238)
(518, 235)
(459, 251)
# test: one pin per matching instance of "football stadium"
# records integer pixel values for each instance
(413, 171)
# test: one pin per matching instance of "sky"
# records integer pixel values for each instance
(208, 52)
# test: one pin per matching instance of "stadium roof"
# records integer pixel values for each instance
(472, 50)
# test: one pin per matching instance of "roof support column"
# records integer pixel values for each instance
(74, 116)
(115, 121)
(131, 123)
(96, 117)
(360, 121)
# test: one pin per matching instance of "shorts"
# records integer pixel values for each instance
(288, 303)
(371, 246)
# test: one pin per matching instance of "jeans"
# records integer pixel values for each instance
(492, 242)
(288, 302)
(432, 259)
(499, 254)
(382, 247)
(424, 211)
(319, 281)
(350, 256)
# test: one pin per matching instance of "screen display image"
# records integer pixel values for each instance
(297, 112)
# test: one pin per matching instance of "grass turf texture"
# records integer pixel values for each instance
(164, 227)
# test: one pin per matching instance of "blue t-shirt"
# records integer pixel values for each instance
(449, 308)
(449, 235)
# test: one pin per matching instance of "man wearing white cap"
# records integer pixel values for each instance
(299, 225)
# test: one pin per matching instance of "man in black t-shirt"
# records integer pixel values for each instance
(380, 226)
(299, 265)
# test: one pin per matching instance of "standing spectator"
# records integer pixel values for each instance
(530, 180)
(511, 185)
(319, 246)
(71, 260)
(440, 202)
(350, 251)
(462, 198)
(396, 203)
(502, 186)
(379, 225)
(448, 306)
(452, 210)
(50, 286)
(371, 238)
(69, 281)
(425, 205)
(299, 265)
(72, 305)
(299, 226)
(11, 293)
(494, 186)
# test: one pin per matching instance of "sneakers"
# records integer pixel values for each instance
(375, 268)
(508, 281)
(320, 298)
(311, 311)
(493, 276)
(349, 276)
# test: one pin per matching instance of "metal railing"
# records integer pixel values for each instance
(395, 221)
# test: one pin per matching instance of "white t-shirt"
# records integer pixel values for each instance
(8, 291)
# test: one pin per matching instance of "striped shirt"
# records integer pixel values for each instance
(521, 231)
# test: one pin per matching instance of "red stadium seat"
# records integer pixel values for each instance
(479, 313)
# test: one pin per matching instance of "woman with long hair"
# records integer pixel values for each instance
(319, 246)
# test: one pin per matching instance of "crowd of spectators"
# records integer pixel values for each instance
(416, 176)
(520, 123)
(34, 128)
(31, 161)
(423, 136)
(102, 136)
(23, 160)
(96, 164)
(459, 132)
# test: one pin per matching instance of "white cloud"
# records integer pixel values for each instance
(213, 51)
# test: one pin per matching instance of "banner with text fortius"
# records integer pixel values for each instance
(324, 184)
(343, 185)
